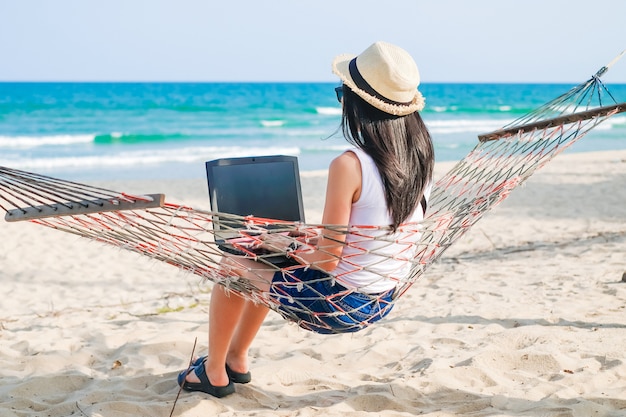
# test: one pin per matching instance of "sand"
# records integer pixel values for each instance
(524, 316)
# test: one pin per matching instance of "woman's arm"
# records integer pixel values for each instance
(343, 188)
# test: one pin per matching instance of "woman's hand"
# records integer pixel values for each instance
(276, 242)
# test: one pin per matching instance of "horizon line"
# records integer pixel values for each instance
(269, 82)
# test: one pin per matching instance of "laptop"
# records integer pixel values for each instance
(262, 186)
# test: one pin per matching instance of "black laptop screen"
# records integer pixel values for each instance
(267, 186)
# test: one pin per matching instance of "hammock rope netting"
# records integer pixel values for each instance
(185, 237)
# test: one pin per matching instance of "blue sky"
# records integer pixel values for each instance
(295, 40)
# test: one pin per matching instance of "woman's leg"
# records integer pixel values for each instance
(249, 324)
(234, 322)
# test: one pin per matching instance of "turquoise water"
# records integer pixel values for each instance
(167, 130)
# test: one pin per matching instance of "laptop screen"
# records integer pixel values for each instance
(263, 186)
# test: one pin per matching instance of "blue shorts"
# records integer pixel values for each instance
(308, 297)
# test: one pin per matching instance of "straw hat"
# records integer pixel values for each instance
(385, 76)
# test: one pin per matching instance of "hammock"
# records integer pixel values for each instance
(184, 237)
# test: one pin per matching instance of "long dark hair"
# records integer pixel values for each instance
(400, 146)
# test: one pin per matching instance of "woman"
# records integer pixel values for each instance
(383, 181)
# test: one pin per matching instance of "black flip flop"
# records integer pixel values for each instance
(236, 377)
(204, 385)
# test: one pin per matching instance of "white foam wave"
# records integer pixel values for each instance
(329, 111)
(320, 133)
(272, 123)
(443, 109)
(451, 126)
(612, 122)
(27, 142)
(145, 157)
(617, 120)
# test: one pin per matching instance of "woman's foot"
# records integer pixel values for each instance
(238, 377)
(234, 376)
(200, 382)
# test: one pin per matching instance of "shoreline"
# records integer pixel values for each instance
(524, 315)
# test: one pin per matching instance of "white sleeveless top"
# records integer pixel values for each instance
(375, 271)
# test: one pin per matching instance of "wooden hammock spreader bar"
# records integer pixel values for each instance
(85, 207)
(556, 121)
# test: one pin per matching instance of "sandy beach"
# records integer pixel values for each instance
(524, 316)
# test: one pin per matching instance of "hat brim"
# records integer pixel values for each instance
(340, 68)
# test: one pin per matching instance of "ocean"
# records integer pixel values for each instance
(96, 131)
